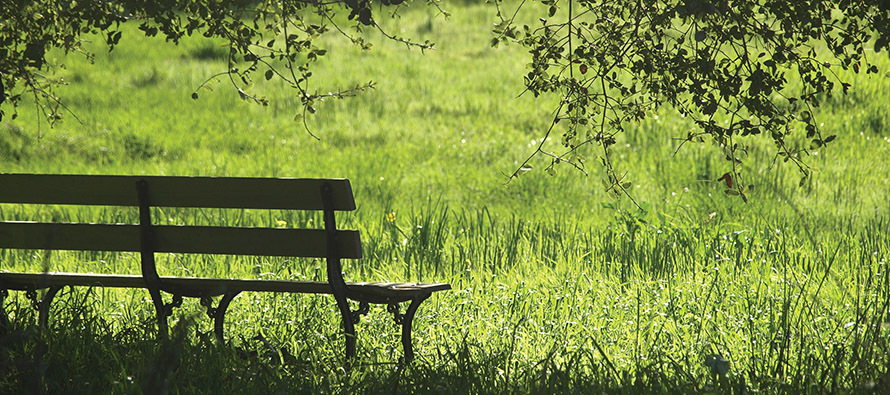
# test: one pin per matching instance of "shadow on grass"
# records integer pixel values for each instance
(84, 353)
(85, 361)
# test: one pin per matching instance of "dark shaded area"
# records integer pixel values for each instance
(81, 354)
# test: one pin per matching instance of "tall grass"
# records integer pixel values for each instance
(557, 288)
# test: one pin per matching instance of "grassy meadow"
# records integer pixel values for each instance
(558, 288)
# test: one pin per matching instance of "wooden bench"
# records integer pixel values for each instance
(145, 192)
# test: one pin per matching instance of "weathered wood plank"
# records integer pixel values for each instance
(211, 192)
(179, 239)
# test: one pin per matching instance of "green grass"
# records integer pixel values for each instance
(557, 288)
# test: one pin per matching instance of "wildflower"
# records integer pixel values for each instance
(391, 217)
(281, 223)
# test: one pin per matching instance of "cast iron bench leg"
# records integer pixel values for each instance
(348, 327)
(405, 321)
(219, 315)
(4, 322)
(164, 310)
(43, 305)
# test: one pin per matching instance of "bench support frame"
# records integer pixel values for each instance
(218, 313)
(149, 268)
(406, 321)
(4, 321)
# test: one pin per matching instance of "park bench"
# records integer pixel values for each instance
(146, 238)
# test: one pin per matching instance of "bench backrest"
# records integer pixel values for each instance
(201, 192)
(208, 192)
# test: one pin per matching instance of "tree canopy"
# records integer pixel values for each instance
(273, 38)
(737, 68)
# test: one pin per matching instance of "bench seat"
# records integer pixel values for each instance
(371, 292)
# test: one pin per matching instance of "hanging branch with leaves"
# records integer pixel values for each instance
(275, 38)
(731, 66)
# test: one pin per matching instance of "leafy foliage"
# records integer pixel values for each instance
(729, 65)
(277, 37)
(734, 67)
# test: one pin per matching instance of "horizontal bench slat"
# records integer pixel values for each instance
(378, 292)
(209, 192)
(178, 239)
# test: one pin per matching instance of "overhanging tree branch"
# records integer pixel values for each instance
(725, 64)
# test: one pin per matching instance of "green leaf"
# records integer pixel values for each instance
(815, 144)
(811, 131)
(364, 16)
(805, 116)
